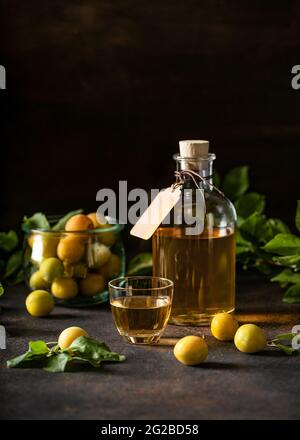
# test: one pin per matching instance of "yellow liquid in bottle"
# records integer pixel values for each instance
(141, 319)
(202, 268)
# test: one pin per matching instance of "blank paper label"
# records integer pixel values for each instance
(160, 207)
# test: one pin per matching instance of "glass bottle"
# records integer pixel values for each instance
(201, 266)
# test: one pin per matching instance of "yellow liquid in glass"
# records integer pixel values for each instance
(203, 271)
(141, 319)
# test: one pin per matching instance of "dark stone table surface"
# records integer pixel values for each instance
(151, 384)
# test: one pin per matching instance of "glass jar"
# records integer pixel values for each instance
(74, 266)
(202, 266)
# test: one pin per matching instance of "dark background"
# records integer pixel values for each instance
(102, 90)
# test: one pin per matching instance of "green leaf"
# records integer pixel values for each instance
(287, 337)
(292, 261)
(292, 295)
(256, 229)
(297, 220)
(35, 355)
(287, 276)
(58, 362)
(263, 268)
(240, 240)
(55, 360)
(284, 244)
(60, 225)
(1, 290)
(236, 182)
(91, 349)
(270, 228)
(242, 246)
(278, 226)
(252, 227)
(38, 347)
(284, 337)
(285, 348)
(249, 204)
(141, 264)
(36, 221)
(37, 351)
(8, 241)
(14, 263)
(94, 364)
(241, 249)
(19, 361)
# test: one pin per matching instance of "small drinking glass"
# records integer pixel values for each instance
(141, 307)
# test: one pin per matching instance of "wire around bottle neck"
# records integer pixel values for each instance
(180, 180)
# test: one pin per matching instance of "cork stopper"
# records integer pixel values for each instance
(193, 148)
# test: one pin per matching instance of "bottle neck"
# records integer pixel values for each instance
(201, 166)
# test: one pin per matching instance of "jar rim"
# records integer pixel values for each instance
(116, 227)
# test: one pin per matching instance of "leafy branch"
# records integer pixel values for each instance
(84, 350)
(284, 342)
(262, 243)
